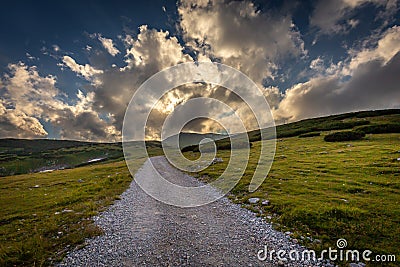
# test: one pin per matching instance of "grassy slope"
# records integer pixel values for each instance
(325, 190)
(334, 122)
(38, 145)
(19, 156)
(36, 226)
(330, 190)
(13, 162)
(187, 139)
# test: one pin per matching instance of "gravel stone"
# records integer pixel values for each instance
(265, 203)
(253, 200)
(141, 231)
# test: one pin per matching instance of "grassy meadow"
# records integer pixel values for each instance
(30, 156)
(21, 156)
(322, 191)
(319, 191)
(43, 215)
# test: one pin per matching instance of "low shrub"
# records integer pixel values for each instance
(380, 128)
(286, 131)
(376, 113)
(344, 136)
(311, 134)
(339, 125)
(223, 144)
(291, 133)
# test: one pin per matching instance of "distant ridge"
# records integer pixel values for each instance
(188, 139)
(327, 123)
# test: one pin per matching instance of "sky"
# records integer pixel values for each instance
(69, 69)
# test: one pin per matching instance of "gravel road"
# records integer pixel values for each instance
(141, 231)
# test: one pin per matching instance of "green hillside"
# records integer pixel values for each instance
(188, 139)
(379, 121)
(20, 156)
(321, 191)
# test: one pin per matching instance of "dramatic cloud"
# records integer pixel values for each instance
(327, 95)
(29, 99)
(108, 45)
(374, 84)
(239, 35)
(154, 50)
(15, 123)
(146, 53)
(386, 48)
(86, 71)
(273, 96)
(334, 16)
(317, 64)
(263, 43)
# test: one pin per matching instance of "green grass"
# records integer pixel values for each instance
(30, 156)
(310, 134)
(316, 188)
(354, 120)
(43, 215)
(329, 190)
(66, 158)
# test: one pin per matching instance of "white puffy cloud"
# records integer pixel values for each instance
(239, 35)
(374, 83)
(317, 64)
(29, 92)
(382, 47)
(212, 31)
(145, 54)
(27, 98)
(86, 71)
(231, 32)
(273, 96)
(108, 44)
(153, 49)
(373, 86)
(387, 46)
(17, 124)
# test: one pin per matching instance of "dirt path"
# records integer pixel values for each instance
(140, 231)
